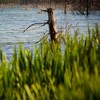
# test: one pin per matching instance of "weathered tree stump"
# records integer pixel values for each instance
(52, 24)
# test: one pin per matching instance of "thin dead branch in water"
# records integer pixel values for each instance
(45, 36)
(44, 23)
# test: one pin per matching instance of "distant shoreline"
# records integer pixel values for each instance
(46, 5)
(69, 7)
(40, 6)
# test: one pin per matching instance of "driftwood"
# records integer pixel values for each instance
(51, 22)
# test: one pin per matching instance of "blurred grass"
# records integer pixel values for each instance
(51, 74)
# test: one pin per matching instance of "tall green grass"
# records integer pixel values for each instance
(50, 74)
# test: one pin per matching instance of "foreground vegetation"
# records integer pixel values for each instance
(53, 74)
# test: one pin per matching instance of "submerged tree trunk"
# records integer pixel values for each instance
(87, 12)
(52, 24)
(65, 7)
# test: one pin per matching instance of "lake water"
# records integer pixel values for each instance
(13, 21)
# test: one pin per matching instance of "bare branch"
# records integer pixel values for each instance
(37, 27)
(35, 24)
(42, 38)
(44, 10)
(42, 7)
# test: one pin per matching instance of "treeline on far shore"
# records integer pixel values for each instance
(81, 6)
(48, 1)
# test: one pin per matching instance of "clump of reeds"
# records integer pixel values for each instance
(49, 74)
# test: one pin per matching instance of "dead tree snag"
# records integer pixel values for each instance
(52, 24)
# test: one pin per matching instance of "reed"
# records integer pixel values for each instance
(51, 74)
